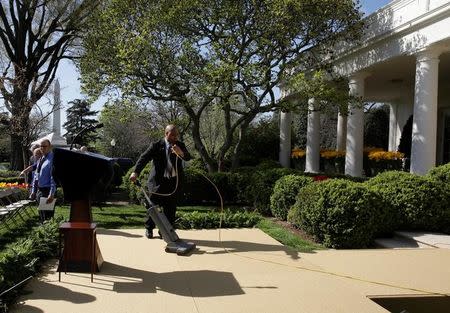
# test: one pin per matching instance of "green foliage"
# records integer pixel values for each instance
(261, 143)
(9, 174)
(421, 203)
(285, 193)
(339, 213)
(328, 128)
(78, 118)
(13, 179)
(441, 174)
(198, 190)
(287, 237)
(24, 257)
(5, 143)
(134, 192)
(376, 127)
(261, 185)
(129, 124)
(210, 56)
(325, 92)
(229, 219)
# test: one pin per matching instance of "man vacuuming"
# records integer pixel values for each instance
(166, 177)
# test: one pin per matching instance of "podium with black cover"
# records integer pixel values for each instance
(80, 174)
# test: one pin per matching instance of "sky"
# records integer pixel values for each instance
(68, 75)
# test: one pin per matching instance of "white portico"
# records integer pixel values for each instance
(404, 60)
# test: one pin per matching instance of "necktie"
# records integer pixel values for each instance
(41, 160)
(169, 166)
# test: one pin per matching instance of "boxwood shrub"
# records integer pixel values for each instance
(441, 173)
(230, 219)
(260, 188)
(421, 203)
(285, 193)
(339, 213)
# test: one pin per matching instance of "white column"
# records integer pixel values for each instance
(285, 139)
(341, 132)
(312, 164)
(393, 126)
(423, 148)
(355, 129)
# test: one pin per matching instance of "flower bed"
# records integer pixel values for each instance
(298, 159)
(4, 185)
(382, 161)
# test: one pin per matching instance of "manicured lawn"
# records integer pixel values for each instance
(287, 237)
(132, 216)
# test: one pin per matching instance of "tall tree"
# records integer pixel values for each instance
(130, 126)
(79, 117)
(201, 53)
(35, 35)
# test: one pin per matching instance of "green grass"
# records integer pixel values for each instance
(132, 216)
(112, 216)
(287, 237)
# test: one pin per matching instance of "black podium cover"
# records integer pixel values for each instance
(80, 172)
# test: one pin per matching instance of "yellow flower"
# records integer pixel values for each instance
(297, 153)
(385, 155)
(332, 154)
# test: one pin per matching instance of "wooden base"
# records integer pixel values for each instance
(81, 252)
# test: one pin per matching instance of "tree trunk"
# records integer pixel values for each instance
(200, 147)
(237, 148)
(20, 124)
(17, 160)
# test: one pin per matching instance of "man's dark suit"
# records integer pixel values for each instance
(160, 184)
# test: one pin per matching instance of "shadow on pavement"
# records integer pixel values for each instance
(183, 283)
(242, 246)
(115, 232)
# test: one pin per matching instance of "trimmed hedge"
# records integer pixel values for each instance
(9, 174)
(19, 180)
(339, 213)
(285, 193)
(208, 220)
(441, 173)
(420, 202)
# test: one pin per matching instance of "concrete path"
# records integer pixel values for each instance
(404, 239)
(254, 273)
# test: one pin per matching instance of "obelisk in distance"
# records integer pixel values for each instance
(57, 140)
(57, 109)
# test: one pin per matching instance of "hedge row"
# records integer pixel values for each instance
(345, 214)
(251, 186)
(207, 220)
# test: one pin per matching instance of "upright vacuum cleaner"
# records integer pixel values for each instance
(174, 243)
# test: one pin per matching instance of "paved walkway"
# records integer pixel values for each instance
(256, 275)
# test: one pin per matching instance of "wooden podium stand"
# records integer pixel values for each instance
(79, 173)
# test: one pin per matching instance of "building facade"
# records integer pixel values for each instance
(404, 61)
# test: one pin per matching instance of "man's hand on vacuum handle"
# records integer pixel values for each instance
(133, 177)
(177, 150)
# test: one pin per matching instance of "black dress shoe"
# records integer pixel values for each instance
(149, 233)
